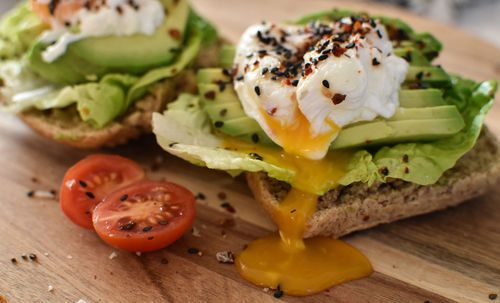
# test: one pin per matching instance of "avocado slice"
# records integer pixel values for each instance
(433, 75)
(412, 56)
(416, 124)
(409, 98)
(91, 58)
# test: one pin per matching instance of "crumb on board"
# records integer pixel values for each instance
(81, 301)
(195, 232)
(113, 255)
(225, 257)
(69, 257)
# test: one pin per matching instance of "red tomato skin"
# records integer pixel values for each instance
(76, 212)
(138, 241)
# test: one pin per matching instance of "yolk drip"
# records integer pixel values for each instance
(296, 266)
(310, 175)
(298, 139)
(285, 260)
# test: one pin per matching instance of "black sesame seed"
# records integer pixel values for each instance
(492, 296)
(13, 260)
(292, 211)
(239, 78)
(372, 23)
(322, 57)
(257, 90)
(32, 257)
(193, 251)
(87, 212)
(384, 171)
(375, 61)
(420, 75)
(223, 112)
(31, 193)
(255, 138)
(265, 70)
(350, 45)
(67, 24)
(295, 82)
(200, 196)
(127, 226)
(147, 228)
(90, 195)
(405, 158)
(278, 294)
(172, 144)
(274, 78)
(256, 156)
(25, 258)
(218, 124)
(379, 34)
(124, 197)
(226, 72)
(82, 183)
(326, 84)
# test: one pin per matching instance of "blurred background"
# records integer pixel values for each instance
(481, 17)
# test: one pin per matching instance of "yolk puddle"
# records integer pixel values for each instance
(285, 260)
(296, 266)
(297, 139)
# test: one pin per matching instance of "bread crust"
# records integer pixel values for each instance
(74, 132)
(357, 207)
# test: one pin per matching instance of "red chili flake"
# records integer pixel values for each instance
(405, 158)
(210, 95)
(174, 33)
(228, 207)
(357, 26)
(368, 141)
(225, 222)
(337, 50)
(407, 170)
(119, 10)
(222, 196)
(338, 98)
(366, 218)
(272, 111)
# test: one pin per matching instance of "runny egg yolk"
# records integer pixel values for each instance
(298, 138)
(62, 11)
(285, 260)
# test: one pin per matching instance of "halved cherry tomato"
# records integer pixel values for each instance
(90, 180)
(145, 216)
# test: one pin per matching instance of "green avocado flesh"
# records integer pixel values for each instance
(94, 57)
(422, 116)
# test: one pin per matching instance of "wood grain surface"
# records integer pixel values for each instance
(448, 256)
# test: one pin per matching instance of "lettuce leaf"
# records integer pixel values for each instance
(98, 103)
(185, 131)
(19, 29)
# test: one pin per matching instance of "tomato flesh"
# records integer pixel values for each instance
(145, 216)
(90, 180)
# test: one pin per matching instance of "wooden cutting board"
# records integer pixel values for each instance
(448, 256)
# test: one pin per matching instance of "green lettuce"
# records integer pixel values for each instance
(185, 131)
(98, 103)
(19, 28)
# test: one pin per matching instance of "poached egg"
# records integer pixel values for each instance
(303, 83)
(73, 20)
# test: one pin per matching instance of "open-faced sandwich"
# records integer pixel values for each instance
(90, 73)
(341, 122)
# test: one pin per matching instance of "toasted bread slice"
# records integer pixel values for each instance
(358, 206)
(65, 125)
